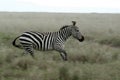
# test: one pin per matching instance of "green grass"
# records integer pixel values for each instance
(97, 58)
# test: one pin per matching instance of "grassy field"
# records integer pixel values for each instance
(97, 58)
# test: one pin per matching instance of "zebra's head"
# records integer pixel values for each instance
(76, 32)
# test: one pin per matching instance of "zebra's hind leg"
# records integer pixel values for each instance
(29, 49)
(24, 53)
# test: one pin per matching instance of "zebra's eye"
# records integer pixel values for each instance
(77, 30)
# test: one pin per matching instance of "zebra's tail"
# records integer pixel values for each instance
(14, 43)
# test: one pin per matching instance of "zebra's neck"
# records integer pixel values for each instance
(65, 34)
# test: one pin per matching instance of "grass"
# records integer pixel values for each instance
(97, 58)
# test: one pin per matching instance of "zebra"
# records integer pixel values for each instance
(44, 41)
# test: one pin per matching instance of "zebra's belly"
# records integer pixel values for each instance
(40, 48)
(44, 48)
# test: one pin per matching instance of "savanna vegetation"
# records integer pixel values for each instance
(97, 58)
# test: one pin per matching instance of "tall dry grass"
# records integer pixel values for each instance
(97, 58)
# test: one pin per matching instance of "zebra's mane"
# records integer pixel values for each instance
(64, 27)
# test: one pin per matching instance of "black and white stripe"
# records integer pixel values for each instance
(45, 41)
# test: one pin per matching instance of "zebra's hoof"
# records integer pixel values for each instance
(65, 59)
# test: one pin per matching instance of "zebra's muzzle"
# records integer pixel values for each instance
(82, 39)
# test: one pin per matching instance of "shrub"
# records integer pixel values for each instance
(112, 41)
(23, 63)
(64, 74)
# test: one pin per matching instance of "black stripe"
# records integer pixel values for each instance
(44, 43)
(26, 43)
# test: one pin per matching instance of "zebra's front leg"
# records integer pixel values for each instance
(60, 48)
(62, 53)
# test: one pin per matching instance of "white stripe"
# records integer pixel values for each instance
(26, 39)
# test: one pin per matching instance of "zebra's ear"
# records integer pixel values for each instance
(74, 23)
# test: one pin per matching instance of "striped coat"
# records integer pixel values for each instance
(48, 40)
